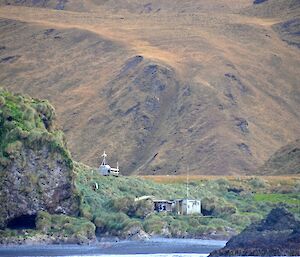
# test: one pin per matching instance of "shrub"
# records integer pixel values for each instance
(153, 224)
(143, 208)
(47, 113)
(112, 222)
(43, 221)
(257, 183)
(225, 209)
(132, 208)
(297, 187)
(212, 206)
(197, 231)
(223, 182)
(2, 101)
(34, 138)
(240, 220)
(13, 148)
(85, 211)
(29, 118)
(70, 226)
(178, 228)
(125, 205)
(132, 227)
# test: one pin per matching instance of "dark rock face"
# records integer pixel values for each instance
(242, 124)
(43, 182)
(277, 235)
(36, 170)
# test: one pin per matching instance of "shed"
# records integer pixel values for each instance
(187, 206)
(163, 205)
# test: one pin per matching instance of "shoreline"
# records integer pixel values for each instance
(47, 240)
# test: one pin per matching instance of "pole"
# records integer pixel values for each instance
(187, 183)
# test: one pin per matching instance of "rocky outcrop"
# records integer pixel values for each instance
(277, 235)
(136, 233)
(36, 170)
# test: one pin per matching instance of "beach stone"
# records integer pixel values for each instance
(136, 233)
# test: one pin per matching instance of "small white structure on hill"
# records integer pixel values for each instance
(185, 206)
(106, 170)
(188, 206)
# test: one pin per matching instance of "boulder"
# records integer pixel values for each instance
(277, 235)
(136, 233)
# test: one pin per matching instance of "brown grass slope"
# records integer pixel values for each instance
(161, 88)
(284, 161)
(132, 6)
(287, 16)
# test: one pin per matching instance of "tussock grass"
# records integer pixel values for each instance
(231, 202)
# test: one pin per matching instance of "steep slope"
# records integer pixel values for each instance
(284, 161)
(36, 170)
(285, 13)
(132, 6)
(53, 4)
(194, 85)
(274, 8)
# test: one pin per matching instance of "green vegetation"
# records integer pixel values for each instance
(291, 199)
(54, 229)
(231, 205)
(108, 205)
(28, 122)
(31, 149)
(66, 226)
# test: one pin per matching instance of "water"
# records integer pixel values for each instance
(158, 247)
(148, 255)
(151, 248)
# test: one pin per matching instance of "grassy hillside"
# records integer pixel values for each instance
(162, 86)
(107, 207)
(232, 203)
(38, 177)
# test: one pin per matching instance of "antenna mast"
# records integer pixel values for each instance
(104, 156)
(187, 182)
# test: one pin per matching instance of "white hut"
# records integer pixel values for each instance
(188, 206)
(106, 170)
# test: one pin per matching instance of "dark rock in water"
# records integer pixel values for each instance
(277, 235)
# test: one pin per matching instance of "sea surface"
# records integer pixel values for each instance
(158, 247)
